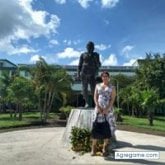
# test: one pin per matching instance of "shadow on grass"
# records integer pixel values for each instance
(141, 130)
(8, 118)
(159, 119)
(16, 118)
(34, 125)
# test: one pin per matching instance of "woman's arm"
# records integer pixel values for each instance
(96, 95)
(111, 101)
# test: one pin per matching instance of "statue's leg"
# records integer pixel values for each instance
(92, 87)
(85, 88)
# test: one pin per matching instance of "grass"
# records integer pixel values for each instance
(143, 123)
(129, 123)
(29, 118)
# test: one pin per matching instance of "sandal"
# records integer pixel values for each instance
(105, 154)
(105, 151)
(93, 153)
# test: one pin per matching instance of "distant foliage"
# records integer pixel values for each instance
(65, 111)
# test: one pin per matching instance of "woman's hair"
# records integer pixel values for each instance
(105, 72)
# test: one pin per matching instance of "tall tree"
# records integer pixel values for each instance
(51, 82)
(149, 102)
(151, 73)
(5, 80)
(20, 92)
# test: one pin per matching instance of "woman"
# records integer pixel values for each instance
(104, 98)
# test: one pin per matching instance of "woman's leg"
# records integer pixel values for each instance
(94, 142)
(105, 147)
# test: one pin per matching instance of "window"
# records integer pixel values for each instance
(1, 64)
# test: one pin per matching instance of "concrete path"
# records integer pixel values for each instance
(43, 146)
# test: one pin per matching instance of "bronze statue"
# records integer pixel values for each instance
(88, 67)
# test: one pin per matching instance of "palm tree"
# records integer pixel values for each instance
(134, 99)
(149, 102)
(125, 98)
(51, 82)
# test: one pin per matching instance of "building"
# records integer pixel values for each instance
(7, 66)
(113, 70)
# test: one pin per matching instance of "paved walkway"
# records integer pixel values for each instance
(43, 146)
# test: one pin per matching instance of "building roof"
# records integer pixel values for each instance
(6, 64)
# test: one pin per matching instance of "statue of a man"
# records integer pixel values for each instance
(88, 67)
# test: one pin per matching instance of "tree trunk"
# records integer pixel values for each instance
(50, 103)
(133, 112)
(40, 108)
(150, 118)
(44, 107)
(16, 110)
(20, 112)
(128, 109)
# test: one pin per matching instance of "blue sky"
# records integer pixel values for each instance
(58, 30)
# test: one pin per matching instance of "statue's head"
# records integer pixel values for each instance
(90, 46)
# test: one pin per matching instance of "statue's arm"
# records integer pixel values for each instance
(98, 61)
(80, 65)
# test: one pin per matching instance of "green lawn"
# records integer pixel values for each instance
(29, 118)
(159, 123)
(33, 118)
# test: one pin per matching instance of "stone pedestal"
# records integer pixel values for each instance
(79, 117)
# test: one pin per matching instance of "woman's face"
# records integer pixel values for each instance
(105, 78)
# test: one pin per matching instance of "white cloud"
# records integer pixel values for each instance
(54, 42)
(69, 53)
(109, 3)
(84, 3)
(6, 46)
(35, 58)
(74, 62)
(67, 42)
(60, 1)
(19, 20)
(76, 42)
(130, 62)
(127, 49)
(70, 42)
(102, 47)
(111, 60)
(23, 50)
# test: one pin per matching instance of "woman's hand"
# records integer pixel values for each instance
(99, 109)
(105, 111)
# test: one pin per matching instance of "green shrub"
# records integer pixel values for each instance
(80, 139)
(118, 112)
(65, 111)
